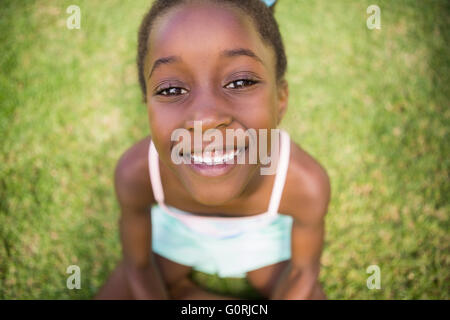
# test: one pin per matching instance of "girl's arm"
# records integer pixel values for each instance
(308, 208)
(132, 191)
(299, 279)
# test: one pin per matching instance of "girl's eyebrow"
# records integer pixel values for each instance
(230, 53)
(241, 52)
(161, 61)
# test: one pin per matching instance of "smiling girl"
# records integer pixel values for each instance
(220, 63)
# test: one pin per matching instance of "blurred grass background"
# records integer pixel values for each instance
(371, 105)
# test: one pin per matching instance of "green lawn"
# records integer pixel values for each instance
(371, 106)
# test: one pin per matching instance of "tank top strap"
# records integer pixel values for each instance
(155, 176)
(281, 172)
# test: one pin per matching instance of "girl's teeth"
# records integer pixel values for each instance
(216, 159)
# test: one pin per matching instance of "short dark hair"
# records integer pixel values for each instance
(262, 16)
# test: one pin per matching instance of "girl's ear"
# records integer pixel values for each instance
(283, 95)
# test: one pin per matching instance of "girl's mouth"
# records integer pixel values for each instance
(215, 164)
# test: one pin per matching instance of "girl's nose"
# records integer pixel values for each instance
(210, 121)
(209, 113)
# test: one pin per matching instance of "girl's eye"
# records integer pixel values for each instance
(172, 91)
(240, 84)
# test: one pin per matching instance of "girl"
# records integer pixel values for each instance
(221, 64)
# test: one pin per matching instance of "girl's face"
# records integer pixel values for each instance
(208, 63)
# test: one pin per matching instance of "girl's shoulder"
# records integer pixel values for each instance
(131, 176)
(307, 189)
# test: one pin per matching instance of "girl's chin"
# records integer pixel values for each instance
(215, 190)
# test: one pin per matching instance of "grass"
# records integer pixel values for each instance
(371, 105)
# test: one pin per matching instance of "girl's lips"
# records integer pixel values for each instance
(211, 170)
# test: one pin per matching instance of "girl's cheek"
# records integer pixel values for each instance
(163, 124)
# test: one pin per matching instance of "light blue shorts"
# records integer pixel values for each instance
(229, 257)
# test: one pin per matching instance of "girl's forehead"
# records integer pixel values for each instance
(205, 28)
